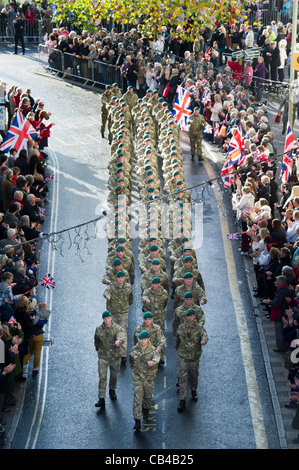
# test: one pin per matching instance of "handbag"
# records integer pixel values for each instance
(277, 117)
(37, 176)
(222, 132)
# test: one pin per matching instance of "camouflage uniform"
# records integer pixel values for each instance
(196, 127)
(158, 302)
(198, 294)
(146, 279)
(108, 355)
(157, 338)
(143, 376)
(105, 100)
(119, 304)
(188, 345)
(179, 316)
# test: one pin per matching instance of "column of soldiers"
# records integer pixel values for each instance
(151, 122)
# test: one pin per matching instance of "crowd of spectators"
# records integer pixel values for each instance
(23, 194)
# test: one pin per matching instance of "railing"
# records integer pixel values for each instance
(33, 31)
(69, 65)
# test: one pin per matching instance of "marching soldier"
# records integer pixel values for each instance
(180, 312)
(105, 100)
(189, 341)
(155, 333)
(107, 340)
(155, 299)
(119, 297)
(189, 285)
(154, 271)
(196, 126)
(144, 361)
(111, 272)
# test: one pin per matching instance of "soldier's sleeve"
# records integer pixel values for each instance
(175, 322)
(204, 335)
(177, 340)
(120, 334)
(106, 277)
(160, 338)
(96, 340)
(200, 281)
(131, 297)
(202, 295)
(166, 298)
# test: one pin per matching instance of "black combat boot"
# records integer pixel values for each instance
(182, 406)
(112, 394)
(124, 360)
(100, 404)
(145, 413)
(200, 159)
(103, 137)
(137, 425)
(194, 395)
(192, 158)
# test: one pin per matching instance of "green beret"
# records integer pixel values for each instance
(143, 334)
(187, 275)
(152, 229)
(196, 108)
(155, 91)
(150, 189)
(108, 87)
(120, 274)
(184, 239)
(156, 280)
(152, 239)
(116, 262)
(156, 261)
(154, 248)
(119, 170)
(188, 295)
(179, 182)
(149, 172)
(188, 258)
(118, 188)
(161, 99)
(148, 315)
(106, 314)
(121, 240)
(114, 84)
(120, 248)
(120, 180)
(187, 247)
(121, 196)
(113, 98)
(190, 311)
(175, 173)
(165, 104)
(148, 151)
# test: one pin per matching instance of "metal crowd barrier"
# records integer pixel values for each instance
(66, 65)
(33, 31)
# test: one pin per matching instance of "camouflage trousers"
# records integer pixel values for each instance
(104, 118)
(122, 319)
(187, 369)
(196, 144)
(103, 367)
(143, 397)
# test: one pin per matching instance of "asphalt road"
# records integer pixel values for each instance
(59, 410)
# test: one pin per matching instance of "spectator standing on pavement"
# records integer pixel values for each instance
(19, 24)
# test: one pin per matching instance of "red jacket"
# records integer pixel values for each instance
(236, 69)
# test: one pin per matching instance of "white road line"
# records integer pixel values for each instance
(50, 269)
(250, 375)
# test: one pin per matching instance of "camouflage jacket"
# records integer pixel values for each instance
(158, 300)
(146, 279)
(196, 124)
(104, 341)
(156, 335)
(188, 339)
(179, 316)
(139, 363)
(120, 297)
(198, 294)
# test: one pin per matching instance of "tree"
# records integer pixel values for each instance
(184, 17)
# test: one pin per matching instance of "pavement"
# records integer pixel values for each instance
(274, 366)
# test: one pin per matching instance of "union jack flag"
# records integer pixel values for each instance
(206, 98)
(287, 160)
(216, 129)
(49, 178)
(48, 282)
(41, 211)
(236, 149)
(12, 321)
(18, 134)
(207, 55)
(181, 108)
(233, 236)
(208, 129)
(227, 172)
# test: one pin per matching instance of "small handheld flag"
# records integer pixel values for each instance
(48, 282)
